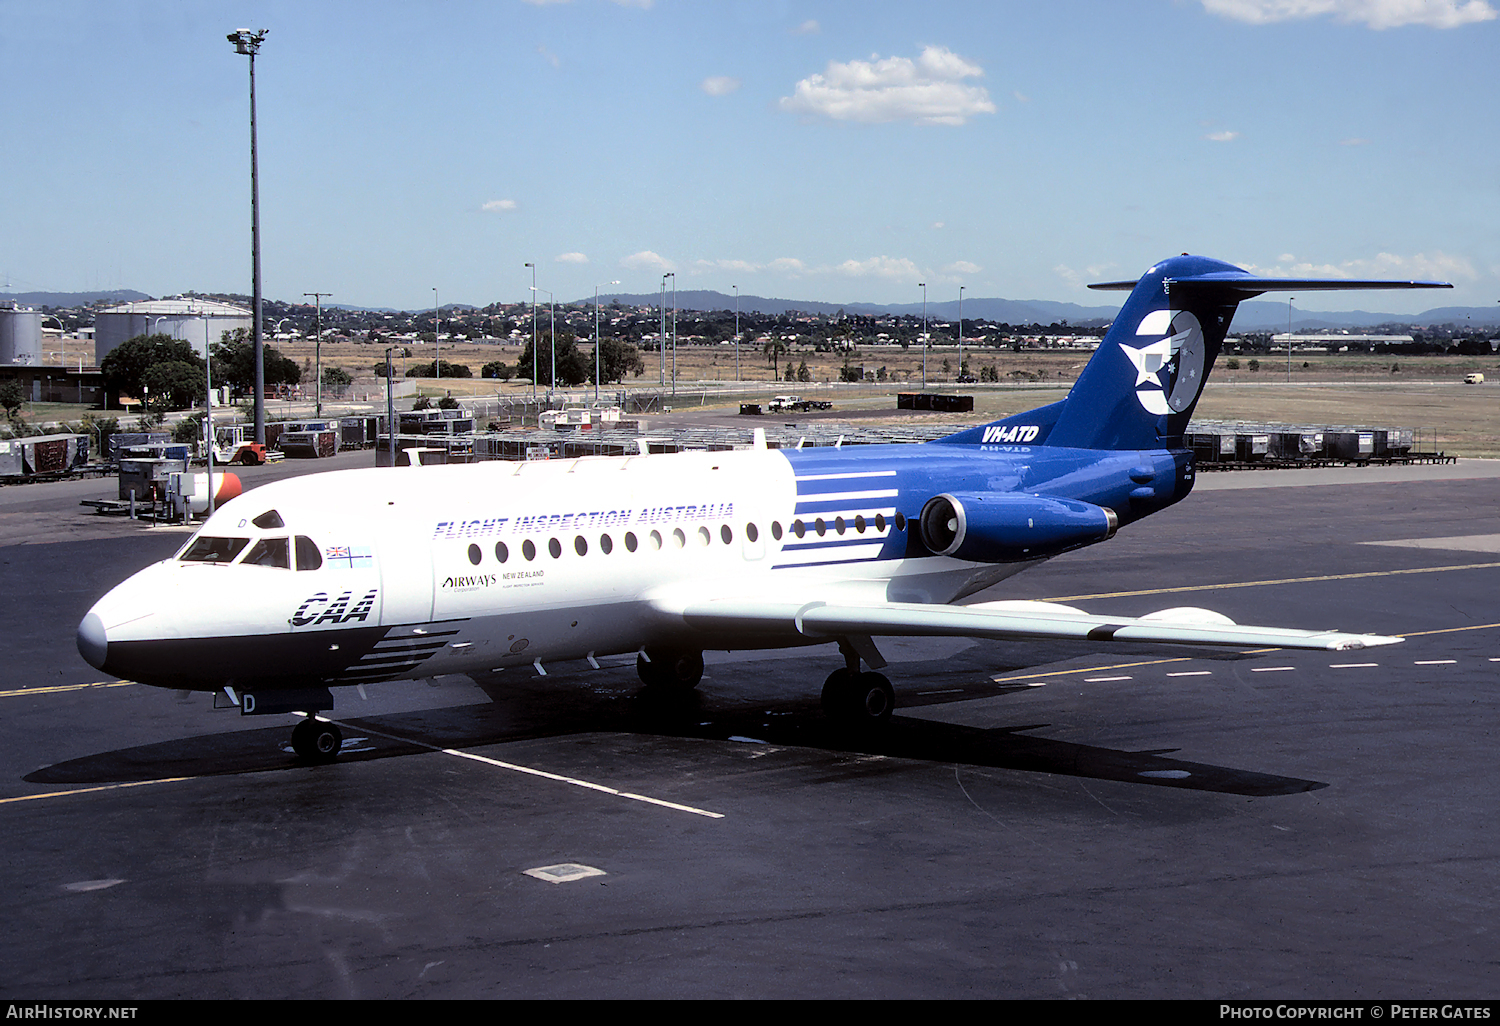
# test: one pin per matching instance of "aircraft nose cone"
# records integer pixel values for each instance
(93, 644)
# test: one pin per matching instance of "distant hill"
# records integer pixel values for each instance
(68, 299)
(1255, 315)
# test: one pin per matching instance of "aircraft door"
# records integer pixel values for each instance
(753, 544)
(405, 576)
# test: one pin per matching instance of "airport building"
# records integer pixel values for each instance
(196, 321)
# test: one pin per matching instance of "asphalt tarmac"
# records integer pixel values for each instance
(1041, 820)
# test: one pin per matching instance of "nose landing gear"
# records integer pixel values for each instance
(316, 740)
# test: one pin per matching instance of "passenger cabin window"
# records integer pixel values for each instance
(213, 550)
(308, 556)
(269, 552)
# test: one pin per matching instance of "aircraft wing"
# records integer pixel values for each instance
(1009, 620)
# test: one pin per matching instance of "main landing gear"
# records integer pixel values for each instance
(856, 699)
(317, 740)
(669, 672)
(851, 697)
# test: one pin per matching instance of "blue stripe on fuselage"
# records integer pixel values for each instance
(1132, 483)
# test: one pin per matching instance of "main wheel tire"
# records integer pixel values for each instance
(836, 694)
(670, 671)
(859, 699)
(317, 740)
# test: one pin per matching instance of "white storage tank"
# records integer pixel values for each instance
(20, 334)
(199, 322)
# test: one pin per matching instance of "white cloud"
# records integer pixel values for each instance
(644, 5)
(962, 267)
(646, 260)
(927, 91)
(495, 206)
(807, 28)
(1418, 266)
(550, 57)
(787, 265)
(572, 258)
(879, 267)
(1222, 136)
(1377, 14)
(719, 85)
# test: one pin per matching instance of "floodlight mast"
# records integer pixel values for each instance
(318, 348)
(596, 339)
(248, 43)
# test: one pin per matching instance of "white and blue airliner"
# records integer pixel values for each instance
(361, 576)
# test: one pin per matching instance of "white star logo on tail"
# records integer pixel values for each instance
(1179, 353)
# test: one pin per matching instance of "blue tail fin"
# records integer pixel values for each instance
(1139, 389)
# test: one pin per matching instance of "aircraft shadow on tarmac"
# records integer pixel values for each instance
(613, 702)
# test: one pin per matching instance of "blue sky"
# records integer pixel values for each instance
(836, 151)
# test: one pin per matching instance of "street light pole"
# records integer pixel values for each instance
(248, 43)
(960, 332)
(318, 347)
(597, 350)
(673, 276)
(437, 336)
(552, 329)
(736, 334)
(533, 329)
(1289, 338)
(924, 334)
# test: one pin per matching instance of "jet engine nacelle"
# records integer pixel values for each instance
(1007, 528)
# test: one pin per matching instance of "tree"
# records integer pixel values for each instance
(12, 398)
(337, 380)
(774, 350)
(617, 358)
(429, 370)
(124, 369)
(572, 367)
(234, 363)
(495, 369)
(175, 385)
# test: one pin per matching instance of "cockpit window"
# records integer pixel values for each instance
(205, 549)
(269, 552)
(308, 556)
(268, 521)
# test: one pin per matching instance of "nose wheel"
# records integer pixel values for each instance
(316, 740)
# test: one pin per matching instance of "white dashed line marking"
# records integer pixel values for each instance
(1434, 662)
(1192, 673)
(1270, 669)
(1349, 666)
(1104, 680)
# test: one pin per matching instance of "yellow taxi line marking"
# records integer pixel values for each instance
(1086, 669)
(1287, 580)
(90, 790)
(53, 689)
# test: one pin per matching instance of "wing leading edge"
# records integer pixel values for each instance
(1004, 620)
